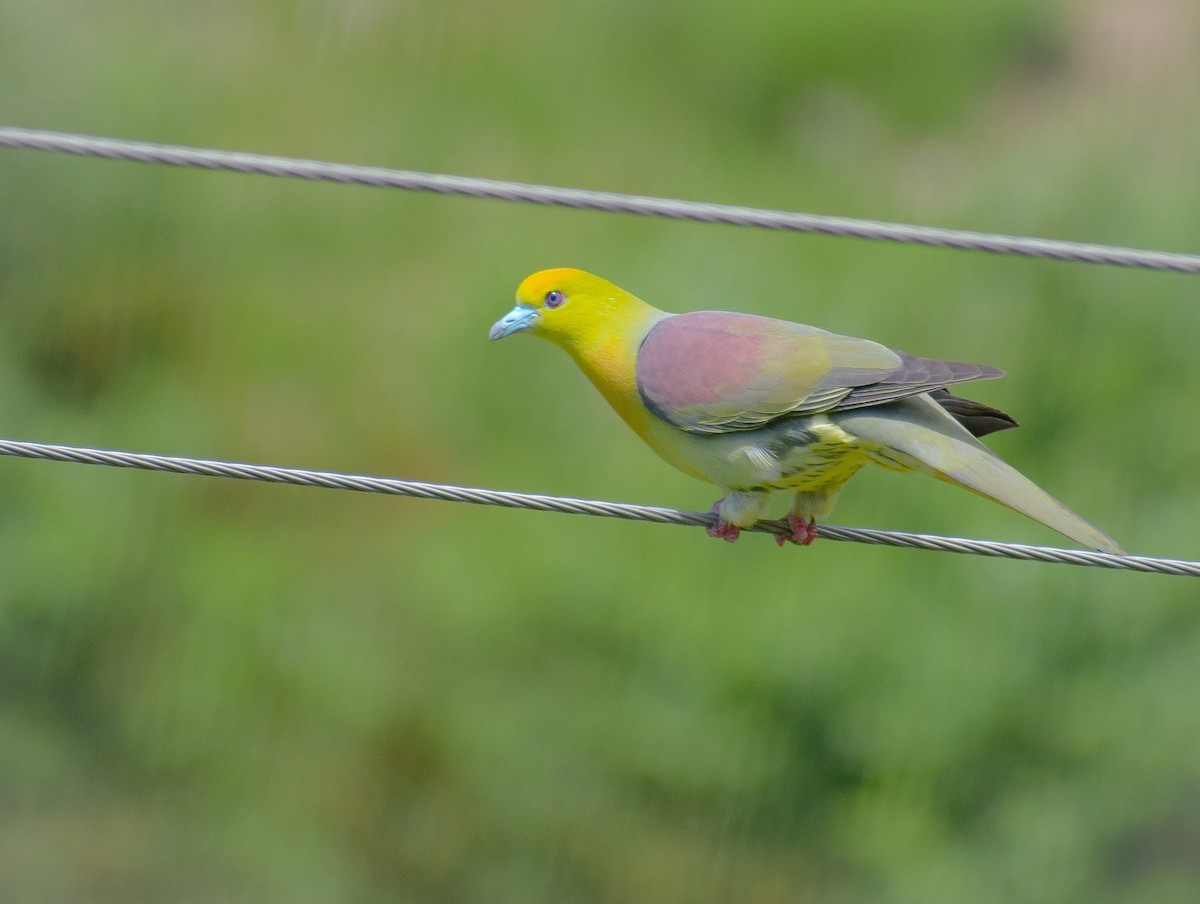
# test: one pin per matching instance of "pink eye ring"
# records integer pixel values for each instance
(554, 298)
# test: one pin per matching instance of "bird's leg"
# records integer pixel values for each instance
(803, 531)
(802, 519)
(722, 530)
(735, 511)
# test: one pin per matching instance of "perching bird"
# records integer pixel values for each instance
(756, 405)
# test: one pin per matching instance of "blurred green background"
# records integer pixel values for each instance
(219, 691)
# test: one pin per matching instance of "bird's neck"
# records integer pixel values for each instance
(608, 356)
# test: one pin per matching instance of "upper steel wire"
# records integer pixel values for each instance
(446, 492)
(966, 240)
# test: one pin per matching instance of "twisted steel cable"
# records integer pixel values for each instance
(961, 239)
(566, 505)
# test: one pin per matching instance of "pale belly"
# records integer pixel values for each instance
(808, 455)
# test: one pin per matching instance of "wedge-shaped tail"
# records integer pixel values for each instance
(920, 428)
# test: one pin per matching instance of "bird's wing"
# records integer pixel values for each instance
(715, 372)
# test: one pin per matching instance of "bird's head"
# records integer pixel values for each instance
(571, 308)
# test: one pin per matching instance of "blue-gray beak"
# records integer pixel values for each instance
(519, 318)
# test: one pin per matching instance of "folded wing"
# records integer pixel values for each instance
(715, 371)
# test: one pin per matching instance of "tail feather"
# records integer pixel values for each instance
(977, 417)
(920, 428)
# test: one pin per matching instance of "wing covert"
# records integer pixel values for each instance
(716, 372)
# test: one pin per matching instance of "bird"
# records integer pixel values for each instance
(757, 405)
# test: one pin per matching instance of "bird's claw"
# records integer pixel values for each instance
(722, 529)
(802, 532)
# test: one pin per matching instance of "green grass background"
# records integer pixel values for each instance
(214, 691)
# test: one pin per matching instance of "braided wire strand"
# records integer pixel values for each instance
(567, 505)
(960, 239)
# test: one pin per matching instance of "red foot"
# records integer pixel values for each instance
(722, 530)
(803, 532)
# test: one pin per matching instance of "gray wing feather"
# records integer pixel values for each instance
(913, 377)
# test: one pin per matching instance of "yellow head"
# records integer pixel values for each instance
(572, 309)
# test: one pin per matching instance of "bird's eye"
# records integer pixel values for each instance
(554, 299)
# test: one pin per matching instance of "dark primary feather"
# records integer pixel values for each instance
(977, 417)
